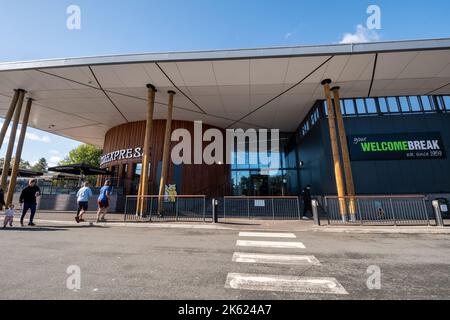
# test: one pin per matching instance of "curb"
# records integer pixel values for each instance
(352, 230)
(136, 225)
(425, 230)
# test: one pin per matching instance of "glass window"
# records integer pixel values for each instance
(243, 185)
(447, 102)
(404, 104)
(361, 107)
(393, 104)
(426, 103)
(383, 105)
(371, 105)
(415, 105)
(349, 107)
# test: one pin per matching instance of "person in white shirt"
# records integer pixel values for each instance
(9, 216)
(83, 196)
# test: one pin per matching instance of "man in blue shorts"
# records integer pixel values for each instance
(103, 201)
(83, 196)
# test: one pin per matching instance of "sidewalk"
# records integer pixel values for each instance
(116, 220)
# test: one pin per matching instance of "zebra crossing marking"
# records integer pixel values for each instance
(270, 244)
(275, 259)
(276, 283)
(267, 235)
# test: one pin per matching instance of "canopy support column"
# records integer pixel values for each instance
(16, 165)
(143, 185)
(9, 115)
(12, 139)
(335, 150)
(166, 151)
(345, 154)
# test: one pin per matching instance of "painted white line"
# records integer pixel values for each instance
(275, 259)
(284, 284)
(267, 235)
(270, 244)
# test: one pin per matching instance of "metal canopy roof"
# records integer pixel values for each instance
(82, 98)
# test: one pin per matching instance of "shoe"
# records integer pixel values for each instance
(31, 224)
(305, 218)
(82, 220)
(21, 224)
(77, 219)
(103, 220)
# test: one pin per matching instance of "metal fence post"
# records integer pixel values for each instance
(126, 211)
(298, 208)
(315, 212)
(248, 207)
(438, 213)
(214, 211)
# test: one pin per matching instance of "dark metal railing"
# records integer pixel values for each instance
(173, 208)
(276, 208)
(384, 210)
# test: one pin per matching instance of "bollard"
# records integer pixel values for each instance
(215, 218)
(438, 213)
(315, 211)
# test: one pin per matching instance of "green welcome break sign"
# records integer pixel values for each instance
(396, 146)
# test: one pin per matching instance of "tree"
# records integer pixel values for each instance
(84, 153)
(40, 166)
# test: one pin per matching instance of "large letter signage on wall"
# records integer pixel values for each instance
(396, 146)
(121, 155)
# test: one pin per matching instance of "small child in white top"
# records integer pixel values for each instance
(9, 216)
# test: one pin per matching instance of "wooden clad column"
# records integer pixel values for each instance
(143, 185)
(166, 152)
(335, 149)
(12, 139)
(15, 168)
(345, 154)
(8, 116)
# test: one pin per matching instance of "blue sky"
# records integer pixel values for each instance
(36, 29)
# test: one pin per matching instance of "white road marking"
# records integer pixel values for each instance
(267, 235)
(284, 284)
(275, 259)
(270, 244)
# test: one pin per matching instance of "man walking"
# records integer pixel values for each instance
(307, 202)
(83, 196)
(103, 201)
(28, 199)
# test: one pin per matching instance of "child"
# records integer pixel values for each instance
(9, 216)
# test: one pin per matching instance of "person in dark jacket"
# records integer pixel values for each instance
(307, 202)
(2, 199)
(28, 199)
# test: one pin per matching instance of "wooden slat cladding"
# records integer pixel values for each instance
(211, 180)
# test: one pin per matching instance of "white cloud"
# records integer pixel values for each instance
(54, 161)
(288, 35)
(36, 137)
(361, 35)
(54, 152)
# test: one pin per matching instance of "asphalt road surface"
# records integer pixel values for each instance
(140, 263)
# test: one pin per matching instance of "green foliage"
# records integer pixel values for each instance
(86, 154)
(40, 166)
